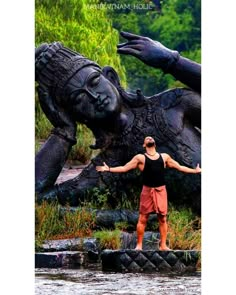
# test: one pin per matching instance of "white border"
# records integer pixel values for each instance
(17, 147)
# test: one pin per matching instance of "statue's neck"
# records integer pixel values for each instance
(117, 124)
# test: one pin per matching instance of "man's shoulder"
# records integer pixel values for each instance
(165, 156)
(140, 157)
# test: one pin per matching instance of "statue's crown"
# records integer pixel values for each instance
(56, 64)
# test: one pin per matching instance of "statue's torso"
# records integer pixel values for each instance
(166, 123)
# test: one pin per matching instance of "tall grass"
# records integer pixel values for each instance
(184, 229)
(50, 223)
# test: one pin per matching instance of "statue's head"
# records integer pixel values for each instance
(76, 83)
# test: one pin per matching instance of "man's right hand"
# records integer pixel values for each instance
(103, 168)
(150, 52)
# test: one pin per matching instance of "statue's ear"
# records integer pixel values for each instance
(111, 75)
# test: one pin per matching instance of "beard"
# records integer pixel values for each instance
(150, 144)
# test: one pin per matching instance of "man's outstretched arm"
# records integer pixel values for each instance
(174, 164)
(154, 54)
(120, 169)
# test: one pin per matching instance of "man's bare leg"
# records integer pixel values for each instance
(163, 232)
(142, 221)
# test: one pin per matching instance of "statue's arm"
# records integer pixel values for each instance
(49, 161)
(154, 54)
(186, 71)
(53, 154)
(80, 188)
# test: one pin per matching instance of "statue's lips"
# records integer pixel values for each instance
(102, 104)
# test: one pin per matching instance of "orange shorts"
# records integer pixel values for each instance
(153, 199)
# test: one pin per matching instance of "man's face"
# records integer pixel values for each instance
(149, 142)
(92, 96)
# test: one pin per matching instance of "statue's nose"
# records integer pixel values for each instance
(94, 95)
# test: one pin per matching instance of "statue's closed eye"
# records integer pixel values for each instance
(94, 80)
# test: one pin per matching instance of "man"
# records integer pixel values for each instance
(153, 197)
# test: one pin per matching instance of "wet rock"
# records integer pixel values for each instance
(76, 244)
(69, 259)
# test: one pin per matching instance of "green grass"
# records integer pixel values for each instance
(50, 223)
(108, 239)
(184, 229)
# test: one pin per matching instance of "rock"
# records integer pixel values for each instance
(68, 259)
(76, 244)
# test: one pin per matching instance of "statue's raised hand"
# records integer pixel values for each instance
(64, 125)
(150, 52)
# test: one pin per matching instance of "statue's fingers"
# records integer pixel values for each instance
(130, 51)
(134, 42)
(130, 36)
(133, 46)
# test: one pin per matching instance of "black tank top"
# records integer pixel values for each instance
(153, 172)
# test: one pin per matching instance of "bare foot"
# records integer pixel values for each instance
(164, 248)
(138, 247)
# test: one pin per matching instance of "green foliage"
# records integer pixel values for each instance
(108, 239)
(50, 223)
(121, 225)
(184, 229)
(80, 28)
(99, 198)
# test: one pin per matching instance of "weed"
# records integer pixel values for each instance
(99, 198)
(122, 225)
(109, 239)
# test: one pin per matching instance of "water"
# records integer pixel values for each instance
(96, 282)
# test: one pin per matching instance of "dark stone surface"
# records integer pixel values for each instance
(72, 89)
(76, 244)
(150, 261)
(128, 241)
(68, 259)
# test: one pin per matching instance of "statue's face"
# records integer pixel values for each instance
(92, 96)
